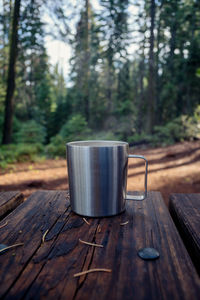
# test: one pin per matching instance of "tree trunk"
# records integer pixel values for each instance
(172, 46)
(151, 77)
(140, 117)
(87, 60)
(7, 130)
(110, 83)
(158, 110)
(4, 25)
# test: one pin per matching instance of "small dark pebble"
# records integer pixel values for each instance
(148, 253)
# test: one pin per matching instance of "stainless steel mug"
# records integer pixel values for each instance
(97, 172)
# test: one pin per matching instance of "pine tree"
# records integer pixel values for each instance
(115, 39)
(33, 98)
(9, 100)
(85, 91)
(151, 95)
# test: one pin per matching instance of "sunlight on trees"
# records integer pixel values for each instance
(133, 72)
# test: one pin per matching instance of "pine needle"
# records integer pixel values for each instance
(92, 270)
(98, 228)
(44, 235)
(84, 219)
(122, 224)
(90, 244)
(4, 224)
(12, 246)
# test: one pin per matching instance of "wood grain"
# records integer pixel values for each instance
(27, 224)
(45, 271)
(9, 201)
(185, 210)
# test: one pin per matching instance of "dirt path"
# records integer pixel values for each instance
(173, 169)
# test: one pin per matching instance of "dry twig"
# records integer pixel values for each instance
(4, 224)
(90, 244)
(122, 224)
(92, 270)
(98, 228)
(84, 219)
(12, 246)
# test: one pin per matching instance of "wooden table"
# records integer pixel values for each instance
(185, 210)
(9, 201)
(44, 266)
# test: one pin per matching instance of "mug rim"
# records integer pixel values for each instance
(97, 143)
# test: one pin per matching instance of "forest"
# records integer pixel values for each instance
(134, 74)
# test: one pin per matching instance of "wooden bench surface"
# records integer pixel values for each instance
(44, 270)
(185, 210)
(9, 201)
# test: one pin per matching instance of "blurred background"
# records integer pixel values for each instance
(102, 69)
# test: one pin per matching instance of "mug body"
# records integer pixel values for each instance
(97, 172)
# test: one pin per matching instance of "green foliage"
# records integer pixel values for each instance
(172, 132)
(178, 130)
(198, 72)
(16, 127)
(110, 89)
(192, 125)
(137, 138)
(31, 133)
(33, 82)
(7, 155)
(74, 129)
(28, 152)
(10, 154)
(56, 148)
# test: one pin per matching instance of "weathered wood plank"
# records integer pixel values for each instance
(171, 276)
(27, 224)
(45, 271)
(53, 265)
(185, 210)
(9, 201)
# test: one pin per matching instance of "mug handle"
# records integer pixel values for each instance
(140, 197)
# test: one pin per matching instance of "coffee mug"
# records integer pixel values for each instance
(97, 172)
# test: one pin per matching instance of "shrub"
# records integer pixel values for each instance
(180, 129)
(56, 147)
(7, 155)
(170, 133)
(28, 152)
(137, 138)
(192, 124)
(10, 154)
(74, 129)
(31, 133)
